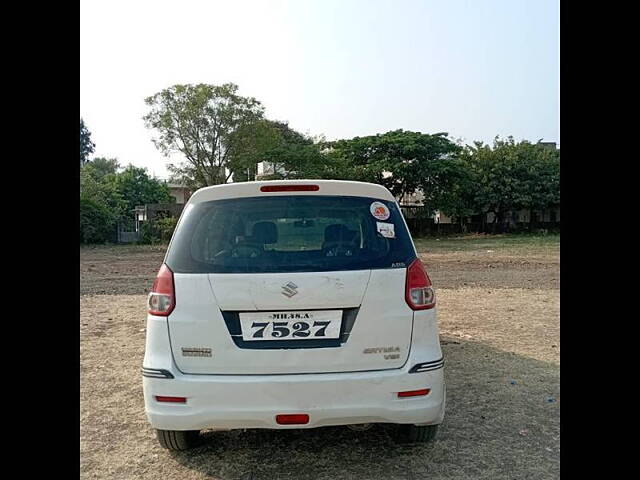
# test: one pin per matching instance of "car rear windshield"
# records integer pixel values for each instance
(290, 234)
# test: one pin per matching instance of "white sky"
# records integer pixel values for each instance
(341, 68)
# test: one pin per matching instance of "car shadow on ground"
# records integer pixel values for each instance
(502, 421)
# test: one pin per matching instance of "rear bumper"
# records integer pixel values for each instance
(253, 401)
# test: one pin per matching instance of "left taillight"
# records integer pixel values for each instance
(162, 298)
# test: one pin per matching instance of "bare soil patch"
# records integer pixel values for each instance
(498, 261)
(130, 270)
(119, 269)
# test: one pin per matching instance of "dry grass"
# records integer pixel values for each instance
(502, 351)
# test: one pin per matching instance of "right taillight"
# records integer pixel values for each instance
(419, 292)
(162, 298)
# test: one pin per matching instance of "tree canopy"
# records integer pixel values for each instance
(86, 145)
(210, 126)
(100, 167)
(138, 188)
(403, 161)
(108, 195)
(293, 154)
(513, 175)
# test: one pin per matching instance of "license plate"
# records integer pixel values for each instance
(304, 325)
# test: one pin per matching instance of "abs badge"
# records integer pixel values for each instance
(379, 210)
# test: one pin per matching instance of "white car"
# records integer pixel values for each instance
(292, 304)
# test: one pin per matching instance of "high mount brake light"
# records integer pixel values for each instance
(162, 298)
(419, 293)
(289, 188)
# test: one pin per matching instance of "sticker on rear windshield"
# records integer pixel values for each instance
(380, 210)
(386, 229)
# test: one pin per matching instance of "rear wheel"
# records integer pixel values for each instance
(178, 440)
(417, 434)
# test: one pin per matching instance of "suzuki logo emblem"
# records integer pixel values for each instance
(289, 289)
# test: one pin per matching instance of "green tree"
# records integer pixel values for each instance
(97, 223)
(209, 125)
(543, 182)
(136, 187)
(86, 145)
(402, 161)
(97, 183)
(101, 205)
(109, 196)
(100, 167)
(454, 194)
(513, 175)
(293, 154)
(255, 141)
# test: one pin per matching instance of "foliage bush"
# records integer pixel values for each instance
(97, 223)
(147, 234)
(158, 231)
(165, 227)
(109, 196)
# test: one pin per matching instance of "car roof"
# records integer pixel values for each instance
(326, 187)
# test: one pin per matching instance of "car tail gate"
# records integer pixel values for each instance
(290, 282)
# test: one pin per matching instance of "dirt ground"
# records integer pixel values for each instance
(498, 308)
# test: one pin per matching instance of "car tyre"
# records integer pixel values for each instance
(178, 440)
(418, 433)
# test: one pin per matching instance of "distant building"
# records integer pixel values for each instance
(179, 192)
(268, 168)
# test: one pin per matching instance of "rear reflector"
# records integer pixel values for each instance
(160, 398)
(295, 419)
(289, 188)
(414, 393)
